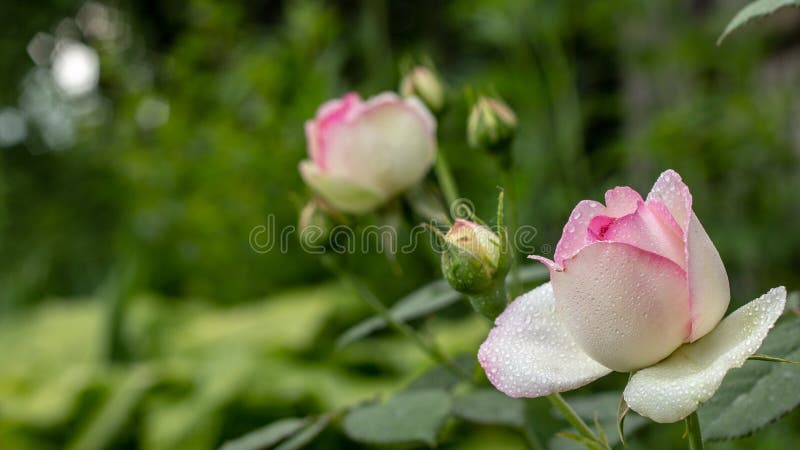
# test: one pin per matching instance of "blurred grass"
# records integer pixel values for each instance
(220, 339)
(198, 372)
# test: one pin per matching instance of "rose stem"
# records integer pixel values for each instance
(446, 180)
(516, 284)
(695, 436)
(427, 346)
(531, 440)
(572, 417)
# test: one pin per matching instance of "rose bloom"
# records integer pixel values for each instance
(364, 153)
(635, 286)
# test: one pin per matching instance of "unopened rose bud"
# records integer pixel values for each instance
(491, 124)
(314, 225)
(475, 263)
(422, 83)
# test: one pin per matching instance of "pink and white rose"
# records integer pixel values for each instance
(362, 154)
(636, 278)
(634, 286)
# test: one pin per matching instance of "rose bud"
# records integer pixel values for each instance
(314, 225)
(491, 124)
(362, 154)
(634, 286)
(422, 83)
(475, 262)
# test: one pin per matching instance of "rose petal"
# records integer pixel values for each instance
(344, 108)
(674, 388)
(626, 307)
(342, 194)
(330, 114)
(643, 229)
(671, 190)
(621, 201)
(552, 265)
(413, 103)
(575, 235)
(388, 146)
(709, 288)
(664, 216)
(530, 354)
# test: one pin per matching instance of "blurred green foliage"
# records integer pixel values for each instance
(607, 93)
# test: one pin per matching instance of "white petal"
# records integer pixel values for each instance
(626, 307)
(674, 388)
(530, 354)
(341, 193)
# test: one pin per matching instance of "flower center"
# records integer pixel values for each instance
(599, 225)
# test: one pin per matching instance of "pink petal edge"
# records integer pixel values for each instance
(621, 201)
(674, 194)
(575, 234)
(644, 229)
(331, 114)
(413, 104)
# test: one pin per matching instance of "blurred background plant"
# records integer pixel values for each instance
(142, 142)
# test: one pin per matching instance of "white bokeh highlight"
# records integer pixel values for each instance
(13, 128)
(152, 113)
(76, 68)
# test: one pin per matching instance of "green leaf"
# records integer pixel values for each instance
(426, 300)
(760, 357)
(490, 407)
(441, 377)
(430, 298)
(408, 417)
(112, 417)
(601, 434)
(583, 441)
(756, 9)
(759, 392)
(268, 435)
(793, 302)
(305, 435)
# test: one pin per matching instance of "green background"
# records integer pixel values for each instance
(217, 339)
